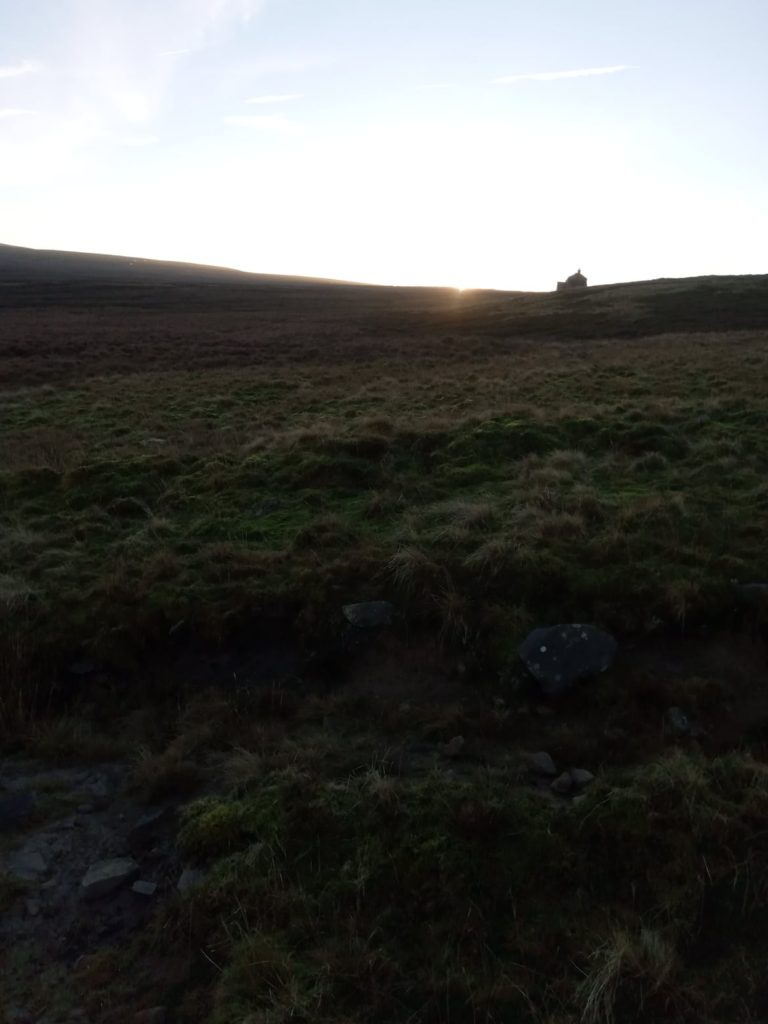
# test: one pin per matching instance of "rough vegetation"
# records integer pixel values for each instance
(193, 482)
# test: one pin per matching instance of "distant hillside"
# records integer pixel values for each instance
(23, 265)
(32, 278)
(632, 309)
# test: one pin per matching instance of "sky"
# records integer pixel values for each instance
(469, 143)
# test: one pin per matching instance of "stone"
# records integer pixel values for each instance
(15, 807)
(677, 722)
(190, 877)
(581, 778)
(33, 907)
(542, 764)
(454, 747)
(105, 876)
(97, 787)
(369, 614)
(27, 865)
(156, 1015)
(563, 784)
(559, 656)
(144, 888)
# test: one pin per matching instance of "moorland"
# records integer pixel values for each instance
(199, 469)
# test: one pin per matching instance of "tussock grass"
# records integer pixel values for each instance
(483, 926)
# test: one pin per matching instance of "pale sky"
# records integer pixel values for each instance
(488, 143)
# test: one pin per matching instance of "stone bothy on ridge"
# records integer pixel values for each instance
(576, 280)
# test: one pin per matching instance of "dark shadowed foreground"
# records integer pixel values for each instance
(198, 469)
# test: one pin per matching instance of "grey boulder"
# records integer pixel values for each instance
(369, 614)
(559, 656)
(581, 778)
(542, 764)
(563, 784)
(105, 876)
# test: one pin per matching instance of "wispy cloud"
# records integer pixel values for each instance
(278, 98)
(14, 112)
(436, 85)
(173, 53)
(26, 67)
(551, 76)
(271, 122)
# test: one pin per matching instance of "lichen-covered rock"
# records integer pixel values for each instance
(542, 763)
(563, 784)
(559, 656)
(581, 778)
(369, 614)
(105, 876)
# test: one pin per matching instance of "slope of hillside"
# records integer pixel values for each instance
(197, 474)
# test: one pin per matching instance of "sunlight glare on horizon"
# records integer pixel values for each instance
(469, 147)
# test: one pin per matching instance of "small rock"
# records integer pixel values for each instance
(581, 778)
(579, 799)
(144, 888)
(97, 788)
(542, 764)
(27, 865)
(559, 656)
(676, 721)
(563, 784)
(190, 877)
(33, 907)
(85, 808)
(106, 876)
(369, 614)
(15, 808)
(157, 1015)
(454, 747)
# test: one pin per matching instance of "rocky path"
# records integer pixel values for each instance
(82, 865)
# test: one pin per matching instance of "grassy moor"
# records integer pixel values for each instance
(200, 469)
